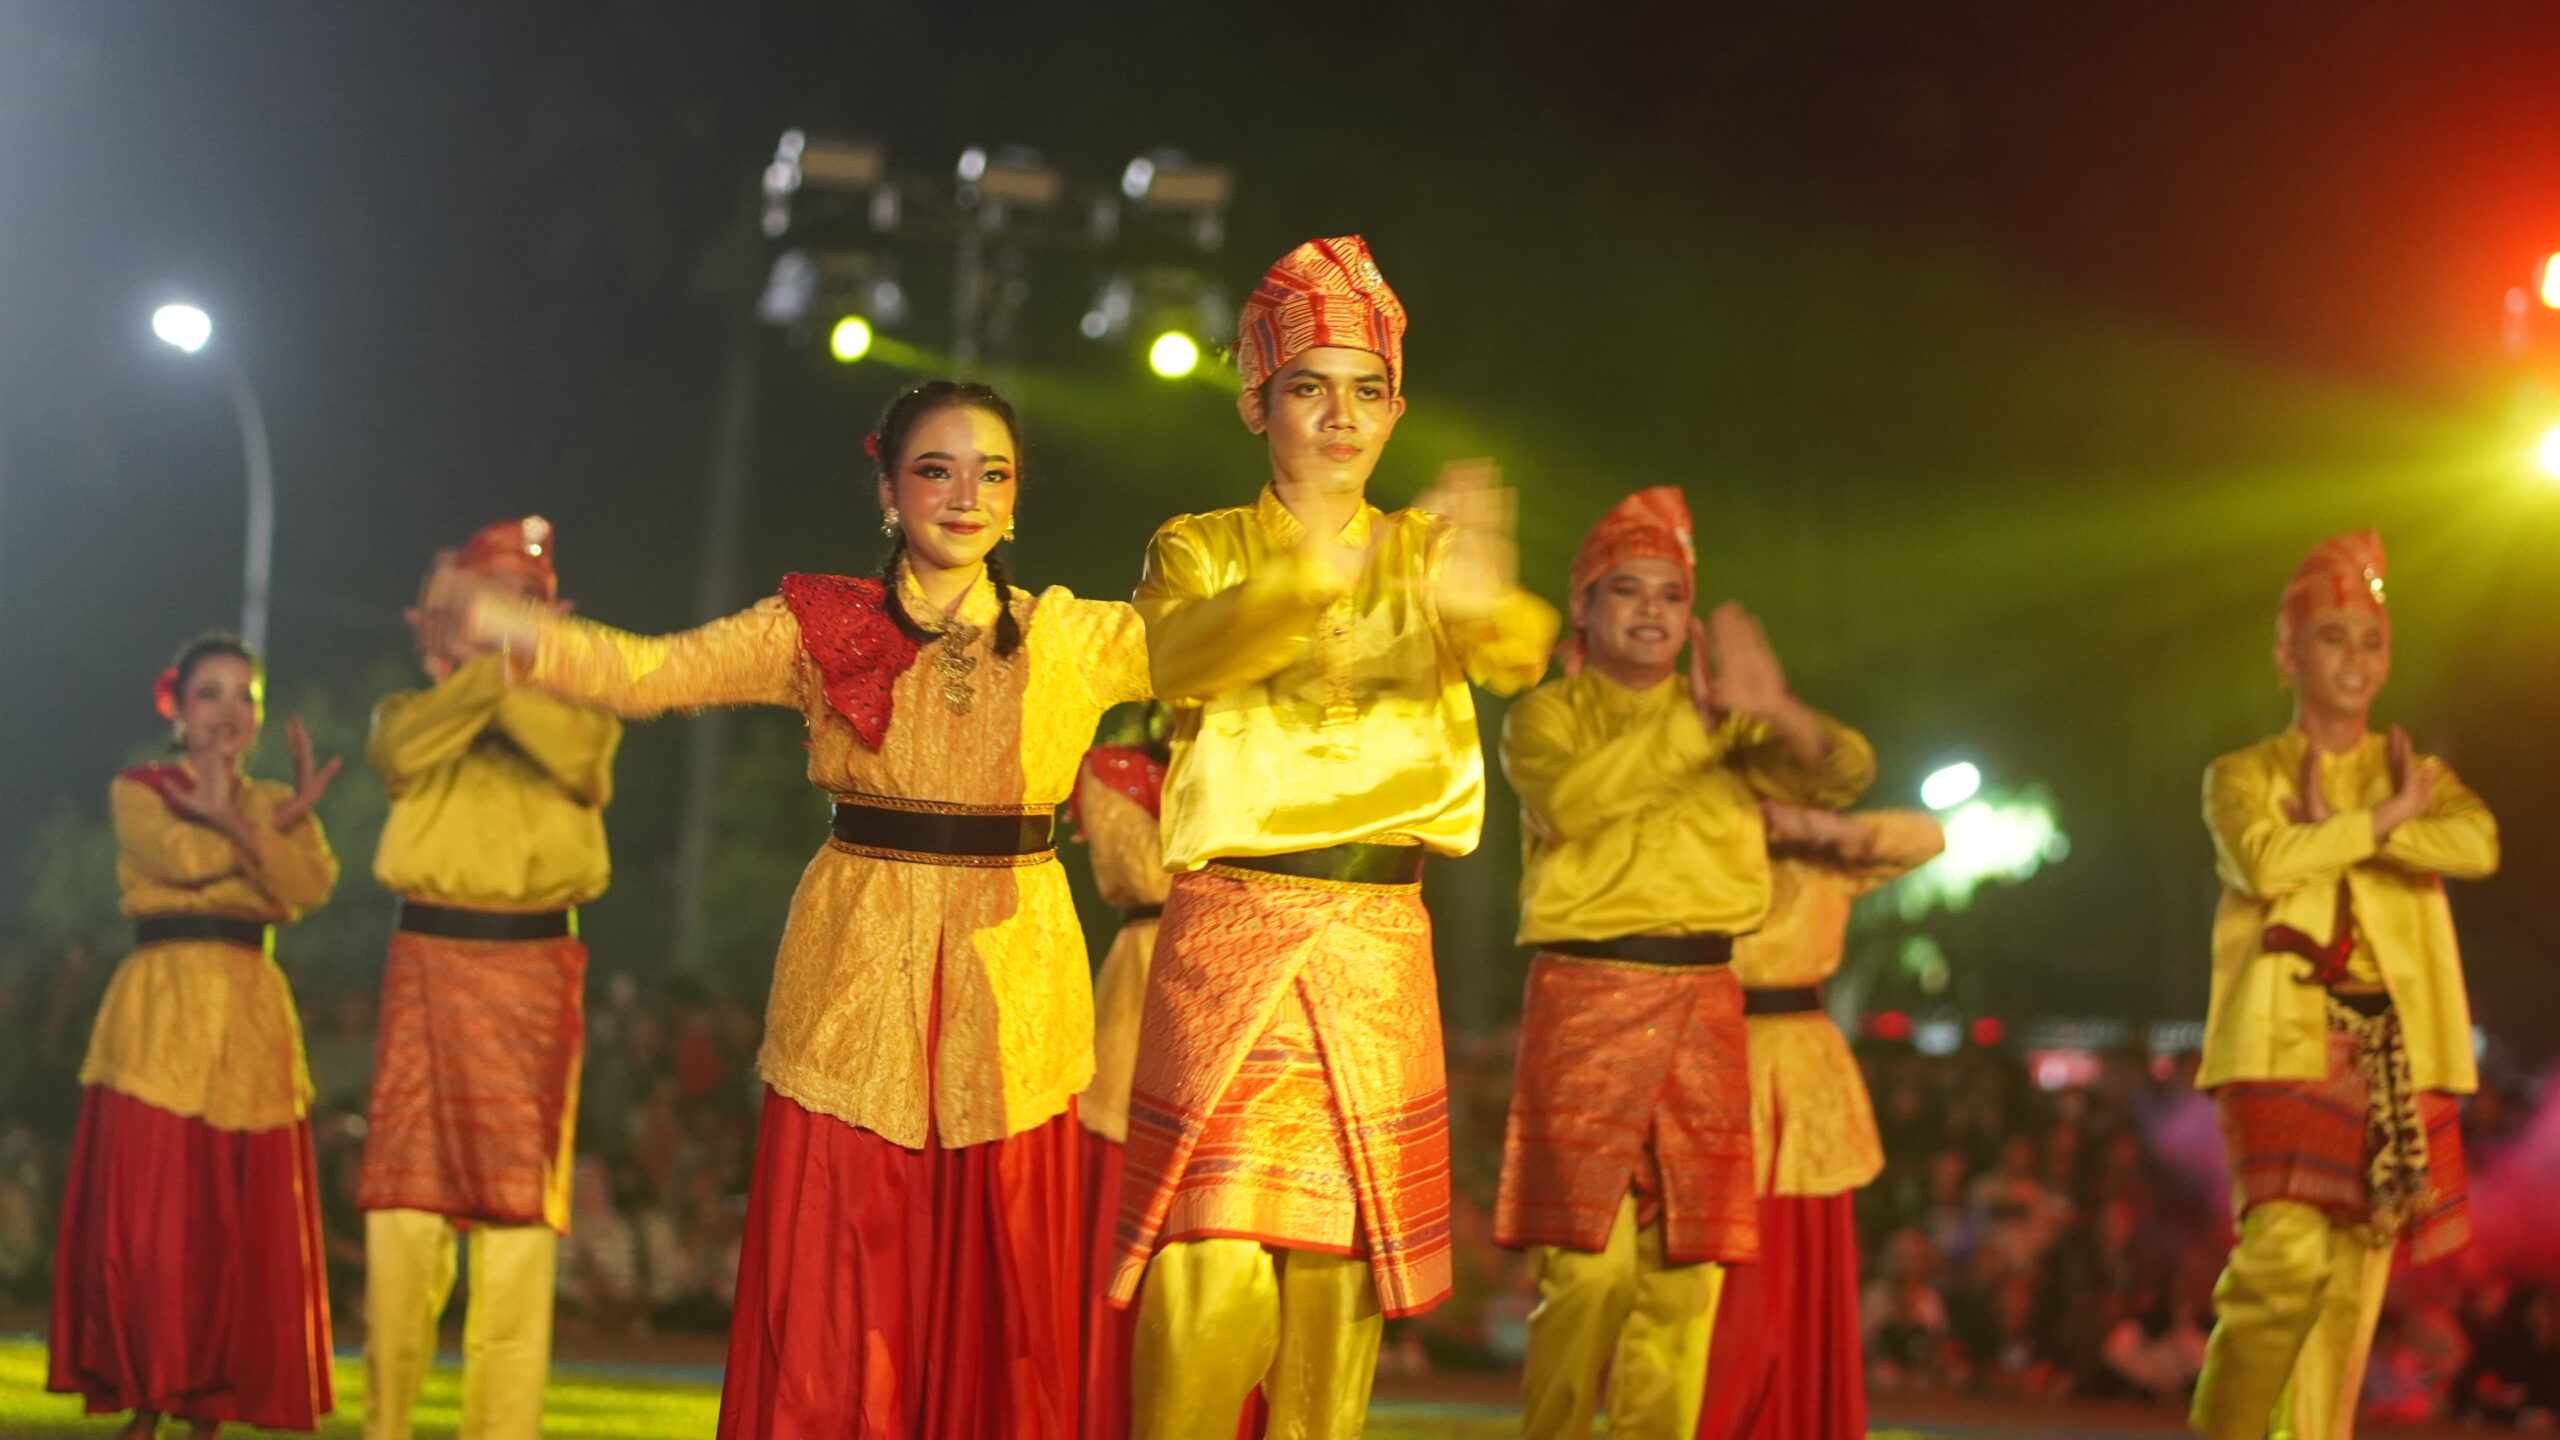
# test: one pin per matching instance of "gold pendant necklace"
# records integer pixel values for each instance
(956, 663)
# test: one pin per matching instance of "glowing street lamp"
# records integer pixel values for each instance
(850, 340)
(189, 329)
(1951, 785)
(184, 326)
(1174, 355)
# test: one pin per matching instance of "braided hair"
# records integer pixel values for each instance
(888, 445)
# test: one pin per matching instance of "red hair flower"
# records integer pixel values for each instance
(164, 693)
(871, 444)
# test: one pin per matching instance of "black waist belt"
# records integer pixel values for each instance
(1783, 1000)
(452, 922)
(1141, 912)
(935, 837)
(1651, 949)
(1357, 864)
(161, 929)
(2367, 1003)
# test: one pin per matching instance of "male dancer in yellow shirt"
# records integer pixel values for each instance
(1627, 1161)
(495, 836)
(2338, 1034)
(1286, 1182)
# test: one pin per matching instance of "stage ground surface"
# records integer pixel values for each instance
(682, 1402)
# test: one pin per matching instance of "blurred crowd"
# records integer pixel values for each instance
(2022, 1241)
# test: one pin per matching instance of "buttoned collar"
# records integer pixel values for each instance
(977, 605)
(1285, 530)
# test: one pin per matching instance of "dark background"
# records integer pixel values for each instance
(2011, 354)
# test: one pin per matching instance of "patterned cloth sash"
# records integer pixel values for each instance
(2361, 1142)
(1289, 1084)
(2329, 961)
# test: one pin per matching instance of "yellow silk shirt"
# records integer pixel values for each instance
(1813, 1129)
(1636, 819)
(201, 1028)
(497, 793)
(1300, 723)
(2264, 1022)
(853, 986)
(1128, 868)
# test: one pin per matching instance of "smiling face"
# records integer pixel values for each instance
(1327, 415)
(1637, 618)
(218, 708)
(954, 486)
(2337, 661)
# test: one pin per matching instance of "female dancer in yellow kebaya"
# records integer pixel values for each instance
(187, 1280)
(910, 1261)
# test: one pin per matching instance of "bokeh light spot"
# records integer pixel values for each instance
(850, 340)
(1174, 355)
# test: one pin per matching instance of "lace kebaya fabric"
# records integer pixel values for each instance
(847, 1023)
(1813, 1125)
(201, 1028)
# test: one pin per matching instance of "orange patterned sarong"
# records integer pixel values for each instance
(475, 1079)
(1290, 1086)
(1631, 1077)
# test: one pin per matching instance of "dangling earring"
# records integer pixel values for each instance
(1008, 527)
(889, 521)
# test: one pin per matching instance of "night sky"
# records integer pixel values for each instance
(2011, 354)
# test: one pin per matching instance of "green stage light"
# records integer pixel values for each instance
(1174, 355)
(850, 340)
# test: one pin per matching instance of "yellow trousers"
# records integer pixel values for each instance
(1648, 1322)
(2294, 1314)
(506, 1328)
(1218, 1317)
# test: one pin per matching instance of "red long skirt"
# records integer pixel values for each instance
(188, 1276)
(1785, 1359)
(1108, 1328)
(887, 1293)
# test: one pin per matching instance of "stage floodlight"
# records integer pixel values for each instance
(2551, 281)
(1951, 785)
(1174, 355)
(2548, 453)
(1013, 175)
(850, 340)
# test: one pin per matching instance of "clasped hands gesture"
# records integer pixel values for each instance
(2413, 788)
(461, 616)
(1484, 558)
(215, 800)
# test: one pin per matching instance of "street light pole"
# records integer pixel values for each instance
(190, 329)
(259, 560)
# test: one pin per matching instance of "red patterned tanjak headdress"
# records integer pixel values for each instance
(1324, 293)
(2341, 571)
(525, 539)
(1651, 523)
